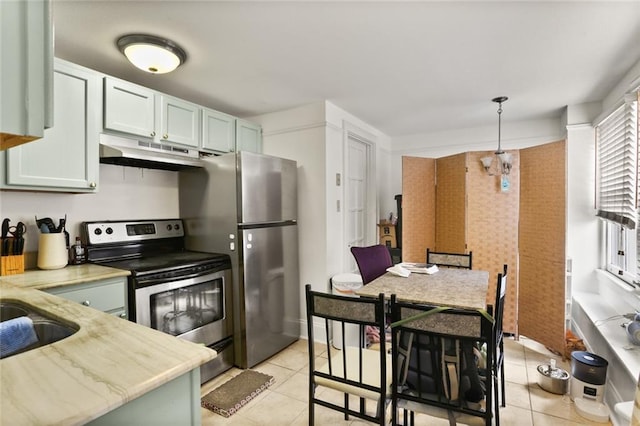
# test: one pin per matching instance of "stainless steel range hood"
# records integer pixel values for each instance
(150, 155)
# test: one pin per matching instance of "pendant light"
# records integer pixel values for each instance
(152, 54)
(503, 159)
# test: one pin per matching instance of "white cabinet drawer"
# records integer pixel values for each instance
(106, 295)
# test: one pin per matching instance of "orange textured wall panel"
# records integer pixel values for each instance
(492, 229)
(418, 207)
(451, 209)
(542, 244)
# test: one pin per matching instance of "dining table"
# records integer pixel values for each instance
(451, 287)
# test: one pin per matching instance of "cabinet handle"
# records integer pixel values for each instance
(86, 303)
(92, 185)
(153, 133)
(165, 136)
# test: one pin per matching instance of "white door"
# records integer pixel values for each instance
(357, 188)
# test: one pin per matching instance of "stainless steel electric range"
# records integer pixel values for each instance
(183, 293)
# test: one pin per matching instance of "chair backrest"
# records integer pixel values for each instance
(450, 260)
(501, 291)
(433, 358)
(372, 261)
(357, 361)
(345, 310)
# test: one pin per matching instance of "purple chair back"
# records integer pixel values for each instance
(372, 261)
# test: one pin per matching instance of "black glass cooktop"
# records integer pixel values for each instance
(169, 261)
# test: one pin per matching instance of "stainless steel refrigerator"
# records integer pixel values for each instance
(245, 204)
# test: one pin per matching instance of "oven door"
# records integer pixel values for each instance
(197, 309)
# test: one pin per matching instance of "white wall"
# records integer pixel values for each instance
(582, 243)
(615, 98)
(341, 120)
(124, 193)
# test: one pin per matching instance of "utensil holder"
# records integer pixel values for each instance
(52, 251)
(12, 265)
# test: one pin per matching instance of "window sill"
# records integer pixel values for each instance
(605, 276)
(598, 319)
(608, 322)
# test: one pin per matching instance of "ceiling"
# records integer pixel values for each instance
(403, 67)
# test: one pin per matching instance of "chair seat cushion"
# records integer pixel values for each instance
(370, 372)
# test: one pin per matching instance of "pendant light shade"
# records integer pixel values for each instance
(152, 54)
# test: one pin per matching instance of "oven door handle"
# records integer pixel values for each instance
(147, 282)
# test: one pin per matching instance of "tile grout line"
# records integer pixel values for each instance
(526, 370)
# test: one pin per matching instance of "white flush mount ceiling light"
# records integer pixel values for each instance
(152, 54)
(503, 164)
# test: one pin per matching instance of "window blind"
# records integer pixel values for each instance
(617, 166)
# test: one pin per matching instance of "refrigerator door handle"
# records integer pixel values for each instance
(251, 225)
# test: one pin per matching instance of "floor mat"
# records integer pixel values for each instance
(229, 397)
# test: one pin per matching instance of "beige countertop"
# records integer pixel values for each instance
(105, 364)
(43, 279)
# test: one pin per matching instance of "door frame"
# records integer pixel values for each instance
(352, 131)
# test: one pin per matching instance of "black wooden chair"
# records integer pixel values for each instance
(434, 368)
(497, 311)
(354, 370)
(450, 260)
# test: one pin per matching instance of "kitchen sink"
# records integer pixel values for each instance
(48, 328)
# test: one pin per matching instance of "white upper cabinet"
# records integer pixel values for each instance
(26, 70)
(66, 158)
(218, 132)
(179, 121)
(136, 110)
(128, 108)
(248, 136)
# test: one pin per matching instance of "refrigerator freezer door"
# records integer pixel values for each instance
(267, 189)
(271, 317)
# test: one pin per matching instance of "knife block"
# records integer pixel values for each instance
(12, 265)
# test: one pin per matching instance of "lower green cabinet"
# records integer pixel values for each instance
(174, 403)
(109, 295)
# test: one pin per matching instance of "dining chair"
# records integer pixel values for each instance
(353, 371)
(372, 261)
(434, 367)
(450, 260)
(497, 311)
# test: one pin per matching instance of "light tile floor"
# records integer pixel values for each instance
(285, 402)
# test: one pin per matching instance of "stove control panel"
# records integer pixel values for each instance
(127, 231)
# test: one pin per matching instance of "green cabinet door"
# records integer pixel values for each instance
(128, 108)
(108, 295)
(66, 158)
(26, 67)
(218, 132)
(179, 121)
(248, 136)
